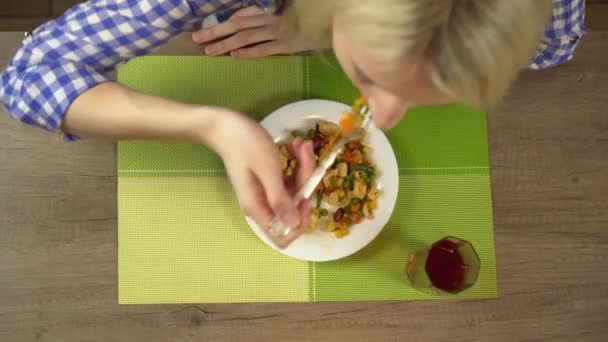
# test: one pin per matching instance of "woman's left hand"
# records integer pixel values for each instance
(249, 33)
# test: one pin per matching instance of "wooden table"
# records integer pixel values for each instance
(549, 156)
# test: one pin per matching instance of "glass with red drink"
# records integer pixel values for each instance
(450, 265)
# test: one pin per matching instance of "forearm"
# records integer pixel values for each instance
(66, 57)
(115, 112)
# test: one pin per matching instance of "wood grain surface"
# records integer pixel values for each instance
(549, 157)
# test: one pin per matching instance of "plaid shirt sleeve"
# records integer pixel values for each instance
(65, 57)
(562, 34)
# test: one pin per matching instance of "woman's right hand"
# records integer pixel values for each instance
(252, 162)
(250, 156)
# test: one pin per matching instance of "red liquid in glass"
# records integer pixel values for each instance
(445, 267)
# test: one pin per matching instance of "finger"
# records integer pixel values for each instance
(294, 146)
(252, 199)
(231, 26)
(305, 162)
(240, 40)
(270, 175)
(290, 180)
(248, 11)
(285, 241)
(273, 47)
(304, 210)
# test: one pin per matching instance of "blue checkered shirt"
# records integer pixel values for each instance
(81, 49)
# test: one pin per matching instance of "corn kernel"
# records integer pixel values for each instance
(373, 204)
(340, 233)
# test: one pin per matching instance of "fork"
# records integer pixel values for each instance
(276, 227)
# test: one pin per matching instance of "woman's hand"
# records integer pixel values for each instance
(249, 33)
(253, 165)
(249, 154)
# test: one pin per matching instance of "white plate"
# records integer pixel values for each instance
(322, 245)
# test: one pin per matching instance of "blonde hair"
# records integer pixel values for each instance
(473, 49)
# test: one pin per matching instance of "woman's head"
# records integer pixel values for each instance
(401, 53)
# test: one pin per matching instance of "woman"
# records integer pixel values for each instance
(397, 52)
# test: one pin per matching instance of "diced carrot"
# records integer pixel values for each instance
(347, 124)
(351, 157)
(357, 219)
(355, 207)
(355, 157)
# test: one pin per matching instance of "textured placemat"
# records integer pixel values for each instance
(182, 238)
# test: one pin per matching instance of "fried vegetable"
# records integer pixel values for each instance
(341, 195)
(373, 205)
(358, 104)
(342, 170)
(354, 156)
(334, 198)
(311, 133)
(349, 184)
(331, 226)
(313, 219)
(347, 123)
(339, 182)
(283, 151)
(372, 192)
(328, 128)
(338, 215)
(365, 168)
(329, 176)
(367, 212)
(317, 142)
(359, 189)
(331, 140)
(340, 232)
(299, 134)
(319, 196)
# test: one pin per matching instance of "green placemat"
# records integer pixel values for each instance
(182, 238)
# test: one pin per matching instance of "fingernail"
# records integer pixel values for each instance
(210, 51)
(198, 35)
(308, 148)
(297, 142)
(290, 217)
